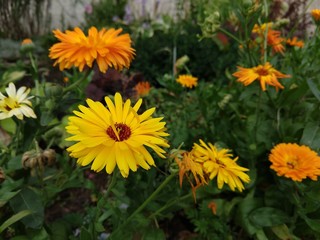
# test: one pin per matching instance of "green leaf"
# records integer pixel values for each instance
(8, 76)
(153, 234)
(245, 207)
(282, 232)
(268, 217)
(314, 89)
(15, 218)
(85, 234)
(314, 224)
(6, 196)
(311, 135)
(27, 199)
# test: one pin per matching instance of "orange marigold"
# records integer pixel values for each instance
(105, 47)
(187, 81)
(295, 161)
(142, 88)
(266, 74)
(294, 42)
(315, 13)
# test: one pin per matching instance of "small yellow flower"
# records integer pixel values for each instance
(187, 81)
(265, 74)
(219, 163)
(116, 135)
(105, 47)
(295, 161)
(16, 103)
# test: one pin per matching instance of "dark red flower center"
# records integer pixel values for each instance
(124, 132)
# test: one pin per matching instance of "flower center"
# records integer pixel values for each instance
(123, 132)
(292, 162)
(262, 71)
(220, 163)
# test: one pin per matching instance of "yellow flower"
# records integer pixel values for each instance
(106, 47)
(294, 42)
(260, 29)
(192, 170)
(187, 81)
(142, 88)
(315, 13)
(266, 74)
(219, 163)
(294, 161)
(16, 103)
(115, 135)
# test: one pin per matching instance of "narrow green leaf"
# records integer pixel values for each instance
(14, 218)
(311, 135)
(314, 89)
(8, 77)
(314, 224)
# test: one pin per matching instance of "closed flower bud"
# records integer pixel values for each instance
(27, 46)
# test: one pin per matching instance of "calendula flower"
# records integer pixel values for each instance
(26, 41)
(265, 74)
(192, 170)
(315, 13)
(260, 29)
(142, 88)
(26, 45)
(219, 163)
(187, 81)
(115, 135)
(17, 103)
(105, 47)
(275, 40)
(294, 42)
(295, 161)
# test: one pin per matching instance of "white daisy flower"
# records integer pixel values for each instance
(16, 103)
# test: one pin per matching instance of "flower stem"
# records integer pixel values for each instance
(174, 201)
(144, 204)
(81, 80)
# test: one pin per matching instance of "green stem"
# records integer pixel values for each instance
(257, 116)
(144, 204)
(35, 76)
(174, 201)
(75, 84)
(230, 35)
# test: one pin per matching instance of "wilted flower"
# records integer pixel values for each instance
(295, 161)
(115, 135)
(107, 48)
(211, 24)
(266, 74)
(191, 169)
(16, 103)
(187, 81)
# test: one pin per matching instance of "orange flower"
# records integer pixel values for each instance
(294, 161)
(107, 48)
(294, 42)
(266, 74)
(142, 88)
(191, 169)
(275, 41)
(26, 41)
(315, 13)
